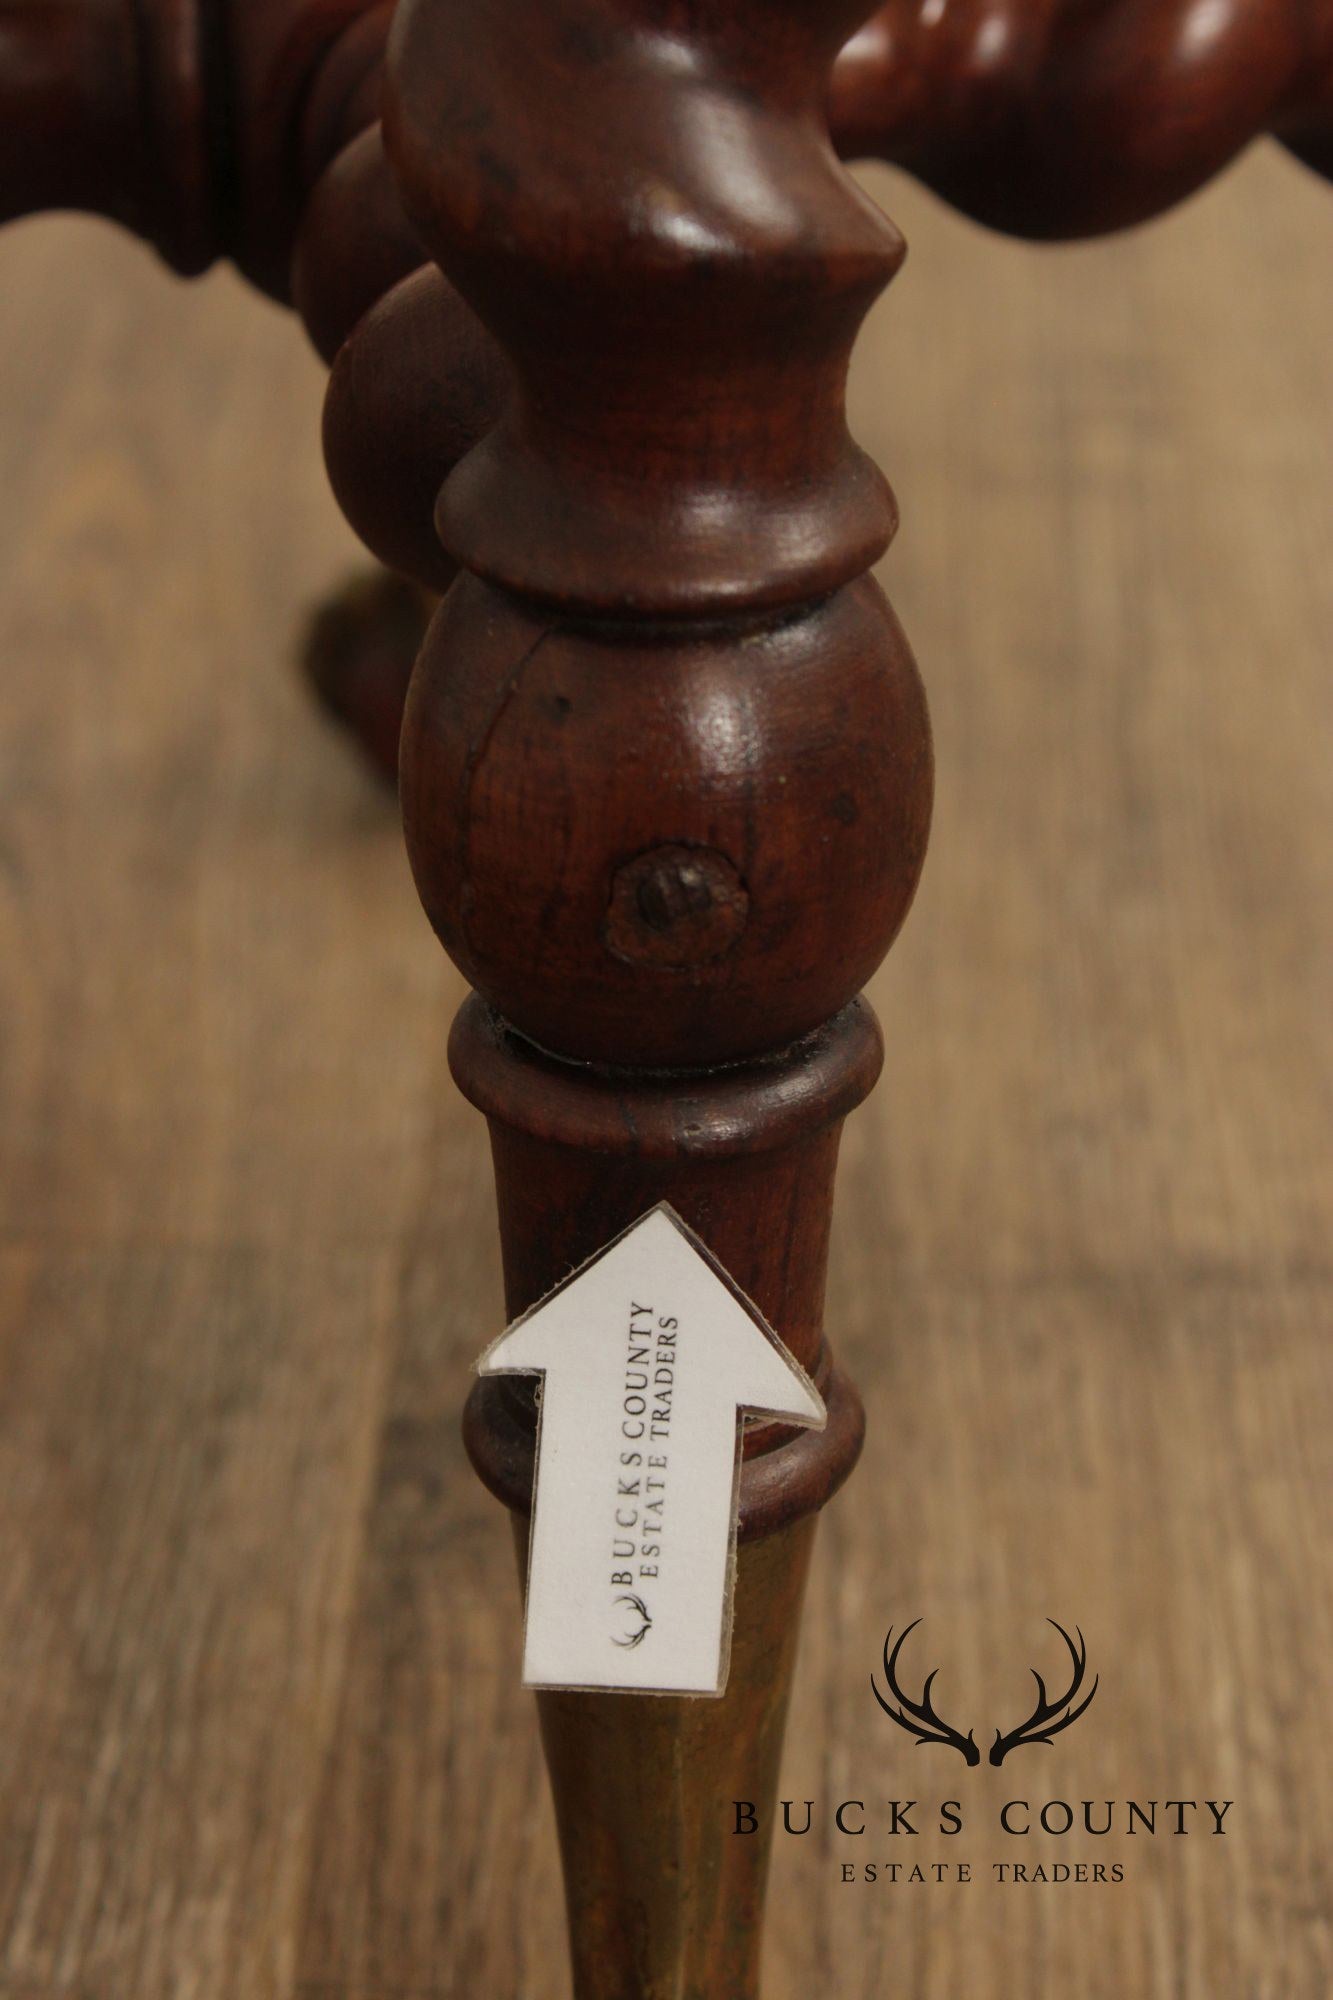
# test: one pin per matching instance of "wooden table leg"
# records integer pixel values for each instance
(667, 781)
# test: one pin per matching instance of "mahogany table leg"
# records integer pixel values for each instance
(666, 778)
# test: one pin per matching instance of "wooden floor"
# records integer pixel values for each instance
(260, 1730)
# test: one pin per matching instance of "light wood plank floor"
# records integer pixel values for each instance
(261, 1736)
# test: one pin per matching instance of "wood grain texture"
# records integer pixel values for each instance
(262, 1734)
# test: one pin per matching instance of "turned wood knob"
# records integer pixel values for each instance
(692, 862)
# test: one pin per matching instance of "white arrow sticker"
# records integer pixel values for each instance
(647, 1354)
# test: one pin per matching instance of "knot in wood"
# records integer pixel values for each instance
(676, 906)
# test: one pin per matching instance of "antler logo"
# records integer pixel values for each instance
(1048, 1718)
(918, 1718)
(642, 1613)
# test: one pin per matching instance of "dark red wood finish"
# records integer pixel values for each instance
(249, 129)
(1053, 118)
(202, 128)
(666, 778)
(666, 767)
(1045, 118)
